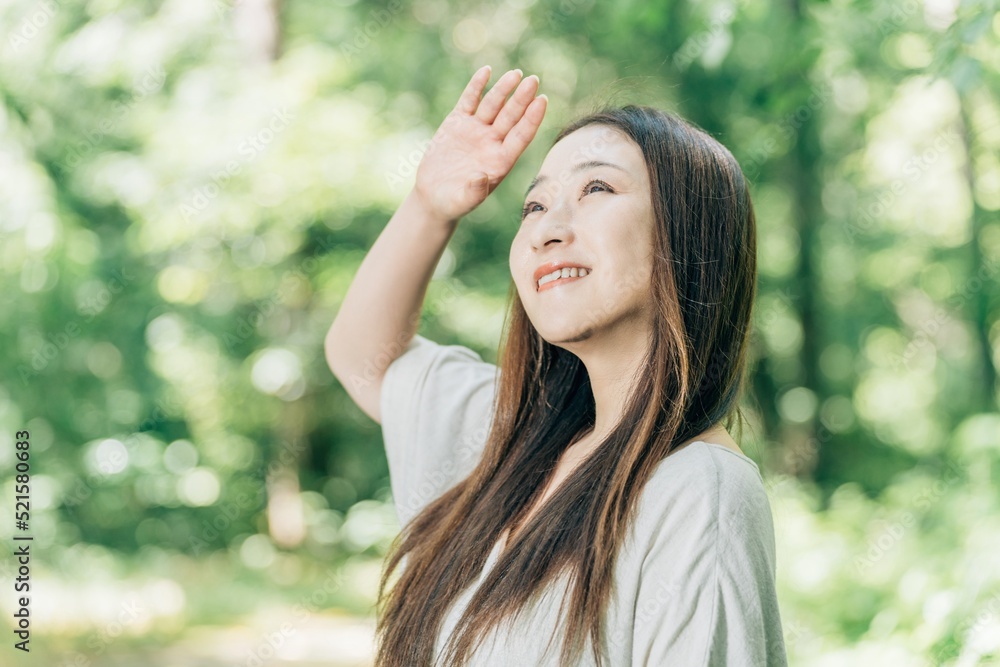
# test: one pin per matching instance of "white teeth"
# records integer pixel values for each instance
(574, 272)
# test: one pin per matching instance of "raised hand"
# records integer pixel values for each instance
(478, 143)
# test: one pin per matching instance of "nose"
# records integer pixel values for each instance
(552, 226)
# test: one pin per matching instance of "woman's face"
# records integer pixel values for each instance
(590, 215)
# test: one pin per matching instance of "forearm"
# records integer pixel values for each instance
(381, 309)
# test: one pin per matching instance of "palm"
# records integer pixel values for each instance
(478, 137)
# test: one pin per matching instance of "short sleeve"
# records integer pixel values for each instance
(436, 406)
(707, 595)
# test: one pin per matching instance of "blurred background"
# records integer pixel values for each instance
(187, 188)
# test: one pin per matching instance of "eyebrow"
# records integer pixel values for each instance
(580, 167)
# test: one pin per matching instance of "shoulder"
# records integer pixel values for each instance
(421, 352)
(436, 375)
(698, 583)
(706, 477)
(703, 496)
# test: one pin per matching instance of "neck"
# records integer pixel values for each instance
(613, 364)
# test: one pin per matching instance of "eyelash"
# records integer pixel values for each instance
(525, 211)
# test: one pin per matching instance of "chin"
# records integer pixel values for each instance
(559, 331)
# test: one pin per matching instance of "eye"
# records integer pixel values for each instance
(528, 208)
(598, 182)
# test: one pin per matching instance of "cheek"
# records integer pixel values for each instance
(516, 260)
(629, 260)
(513, 257)
(640, 242)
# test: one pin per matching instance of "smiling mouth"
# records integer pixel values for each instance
(547, 282)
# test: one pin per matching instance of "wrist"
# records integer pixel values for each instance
(420, 211)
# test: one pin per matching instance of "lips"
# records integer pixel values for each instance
(549, 267)
(559, 281)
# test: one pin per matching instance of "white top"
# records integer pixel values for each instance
(694, 582)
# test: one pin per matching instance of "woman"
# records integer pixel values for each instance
(584, 502)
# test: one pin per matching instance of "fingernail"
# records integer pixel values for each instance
(519, 72)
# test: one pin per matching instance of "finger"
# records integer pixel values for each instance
(515, 106)
(469, 99)
(487, 111)
(524, 131)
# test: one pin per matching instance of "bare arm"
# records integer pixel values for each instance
(469, 155)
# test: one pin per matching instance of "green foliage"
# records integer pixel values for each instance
(185, 196)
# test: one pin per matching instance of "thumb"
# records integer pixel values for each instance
(480, 184)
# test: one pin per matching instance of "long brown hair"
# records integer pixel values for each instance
(702, 290)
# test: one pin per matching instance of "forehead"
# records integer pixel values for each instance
(594, 142)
